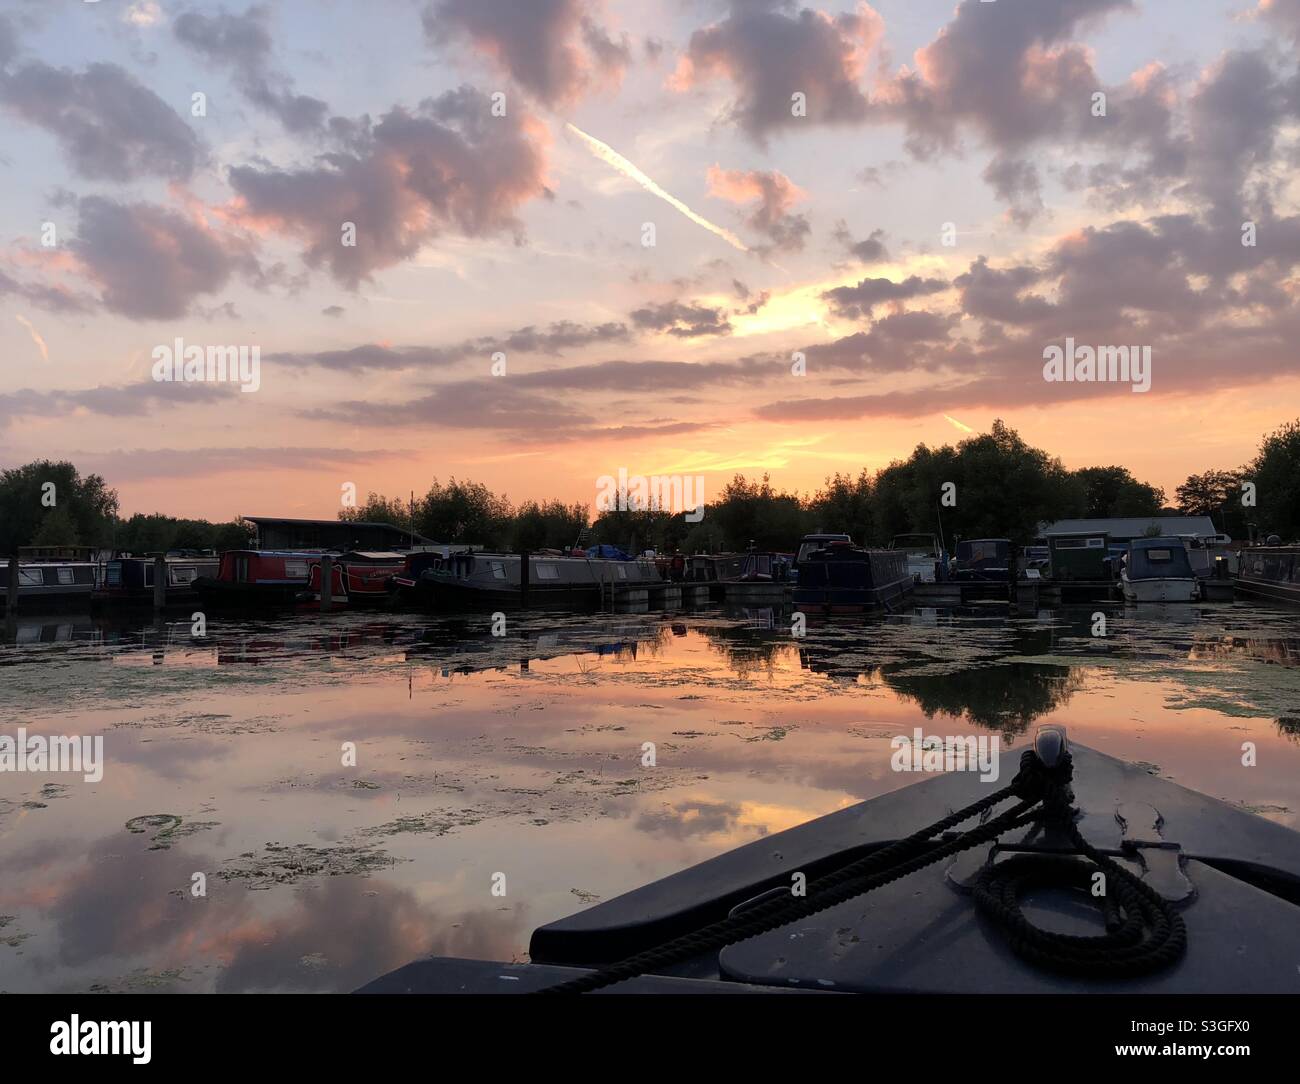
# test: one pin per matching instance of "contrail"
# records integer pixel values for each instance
(36, 336)
(608, 154)
(960, 425)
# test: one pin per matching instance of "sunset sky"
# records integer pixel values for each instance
(478, 233)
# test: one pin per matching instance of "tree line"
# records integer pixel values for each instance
(997, 486)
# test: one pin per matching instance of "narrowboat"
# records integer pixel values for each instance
(494, 580)
(761, 576)
(1158, 570)
(925, 557)
(129, 580)
(357, 578)
(1271, 572)
(947, 886)
(46, 585)
(257, 578)
(843, 578)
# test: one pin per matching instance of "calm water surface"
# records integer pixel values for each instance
(522, 755)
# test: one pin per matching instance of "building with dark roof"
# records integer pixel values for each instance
(277, 533)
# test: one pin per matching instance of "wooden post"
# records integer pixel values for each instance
(159, 582)
(326, 582)
(524, 573)
(11, 591)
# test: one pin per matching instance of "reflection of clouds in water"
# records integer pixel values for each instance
(687, 819)
(126, 903)
(340, 935)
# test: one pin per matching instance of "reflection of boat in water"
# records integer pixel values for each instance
(1185, 871)
(1158, 570)
(845, 579)
(1271, 572)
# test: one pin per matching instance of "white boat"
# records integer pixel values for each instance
(1158, 570)
(924, 555)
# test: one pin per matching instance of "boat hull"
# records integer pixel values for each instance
(848, 600)
(1242, 917)
(1161, 590)
(1274, 592)
(215, 592)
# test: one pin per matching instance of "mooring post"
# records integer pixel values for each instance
(326, 582)
(11, 590)
(523, 578)
(159, 582)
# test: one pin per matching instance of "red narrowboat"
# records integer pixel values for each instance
(358, 578)
(257, 578)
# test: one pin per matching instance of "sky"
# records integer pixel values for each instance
(690, 237)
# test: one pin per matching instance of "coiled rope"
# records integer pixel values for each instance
(1143, 931)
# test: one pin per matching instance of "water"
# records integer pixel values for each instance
(522, 755)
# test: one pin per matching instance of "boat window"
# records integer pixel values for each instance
(66, 576)
(30, 577)
(1096, 543)
(184, 574)
(547, 572)
(1159, 555)
(498, 570)
(622, 572)
(113, 575)
(295, 570)
(1069, 543)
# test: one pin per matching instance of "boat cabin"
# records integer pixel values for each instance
(1079, 556)
(811, 543)
(1157, 559)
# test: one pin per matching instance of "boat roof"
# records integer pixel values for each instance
(1132, 526)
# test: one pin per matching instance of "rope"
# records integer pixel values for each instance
(1143, 932)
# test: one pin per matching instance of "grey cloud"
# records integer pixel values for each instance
(770, 51)
(554, 339)
(870, 250)
(406, 179)
(853, 302)
(110, 126)
(243, 43)
(151, 262)
(115, 401)
(552, 48)
(682, 319)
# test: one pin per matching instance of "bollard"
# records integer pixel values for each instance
(159, 582)
(326, 582)
(524, 576)
(11, 591)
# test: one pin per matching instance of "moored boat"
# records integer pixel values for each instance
(357, 578)
(257, 578)
(130, 580)
(1271, 572)
(1210, 896)
(495, 580)
(925, 556)
(843, 578)
(46, 585)
(1158, 570)
(982, 560)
